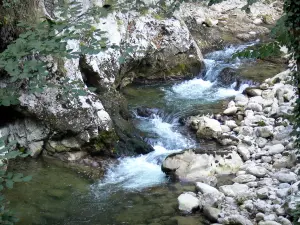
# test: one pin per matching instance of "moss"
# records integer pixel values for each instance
(157, 16)
(104, 143)
(144, 11)
(261, 123)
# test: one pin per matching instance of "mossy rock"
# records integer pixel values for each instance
(103, 144)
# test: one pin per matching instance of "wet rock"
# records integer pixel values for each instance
(253, 92)
(75, 156)
(211, 213)
(188, 202)
(35, 148)
(146, 112)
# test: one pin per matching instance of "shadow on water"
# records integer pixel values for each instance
(59, 196)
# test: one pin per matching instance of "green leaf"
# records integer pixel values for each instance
(9, 184)
(27, 178)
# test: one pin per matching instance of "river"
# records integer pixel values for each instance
(135, 191)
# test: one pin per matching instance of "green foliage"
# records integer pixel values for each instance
(10, 3)
(296, 215)
(261, 123)
(25, 60)
(261, 52)
(7, 179)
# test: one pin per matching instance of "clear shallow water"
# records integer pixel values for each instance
(135, 191)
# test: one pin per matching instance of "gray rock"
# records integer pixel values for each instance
(231, 124)
(281, 193)
(268, 223)
(205, 188)
(244, 178)
(276, 149)
(266, 159)
(253, 92)
(241, 100)
(286, 177)
(74, 156)
(244, 152)
(262, 193)
(230, 111)
(188, 165)
(259, 216)
(284, 221)
(255, 107)
(208, 128)
(265, 132)
(210, 199)
(234, 189)
(257, 171)
(188, 202)
(211, 213)
(238, 220)
(261, 142)
(35, 148)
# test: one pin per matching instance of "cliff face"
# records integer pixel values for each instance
(100, 122)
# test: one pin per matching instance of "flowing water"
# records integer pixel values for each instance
(135, 191)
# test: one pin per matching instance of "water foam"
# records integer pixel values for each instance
(136, 173)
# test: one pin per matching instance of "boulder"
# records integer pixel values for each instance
(208, 128)
(188, 202)
(189, 166)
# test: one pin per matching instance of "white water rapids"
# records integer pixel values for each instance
(136, 173)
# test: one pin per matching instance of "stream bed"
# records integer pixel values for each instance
(136, 191)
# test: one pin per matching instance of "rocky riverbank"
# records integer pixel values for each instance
(260, 157)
